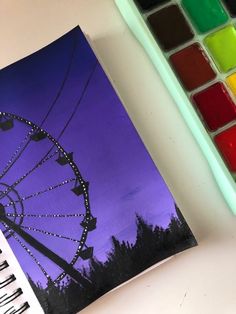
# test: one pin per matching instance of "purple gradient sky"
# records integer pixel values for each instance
(110, 155)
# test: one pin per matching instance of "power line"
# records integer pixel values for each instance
(17, 154)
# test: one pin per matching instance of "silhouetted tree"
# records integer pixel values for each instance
(125, 260)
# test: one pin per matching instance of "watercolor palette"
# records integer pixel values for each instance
(192, 43)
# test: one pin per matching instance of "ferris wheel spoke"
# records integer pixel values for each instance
(18, 151)
(18, 181)
(27, 250)
(49, 189)
(10, 211)
(39, 164)
(45, 215)
(17, 154)
(48, 233)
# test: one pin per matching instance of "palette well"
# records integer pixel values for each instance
(215, 99)
(222, 47)
(192, 44)
(170, 35)
(192, 66)
(205, 14)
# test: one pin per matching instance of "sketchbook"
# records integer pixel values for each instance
(83, 208)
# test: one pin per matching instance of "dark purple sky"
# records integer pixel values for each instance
(109, 153)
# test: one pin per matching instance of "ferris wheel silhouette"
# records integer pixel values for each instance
(20, 222)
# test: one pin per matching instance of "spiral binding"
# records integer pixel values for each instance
(6, 298)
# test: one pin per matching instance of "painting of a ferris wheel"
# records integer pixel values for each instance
(82, 204)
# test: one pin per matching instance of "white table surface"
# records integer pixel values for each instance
(201, 280)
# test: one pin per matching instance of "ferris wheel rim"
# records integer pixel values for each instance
(77, 174)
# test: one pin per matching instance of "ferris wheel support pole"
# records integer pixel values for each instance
(70, 270)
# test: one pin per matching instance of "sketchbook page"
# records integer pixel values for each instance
(84, 208)
(16, 293)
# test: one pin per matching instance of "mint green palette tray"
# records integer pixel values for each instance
(140, 29)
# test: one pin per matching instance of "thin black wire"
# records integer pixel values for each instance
(79, 101)
(49, 111)
(71, 116)
(6, 299)
(63, 82)
(21, 310)
(76, 107)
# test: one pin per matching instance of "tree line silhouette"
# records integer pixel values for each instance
(124, 261)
